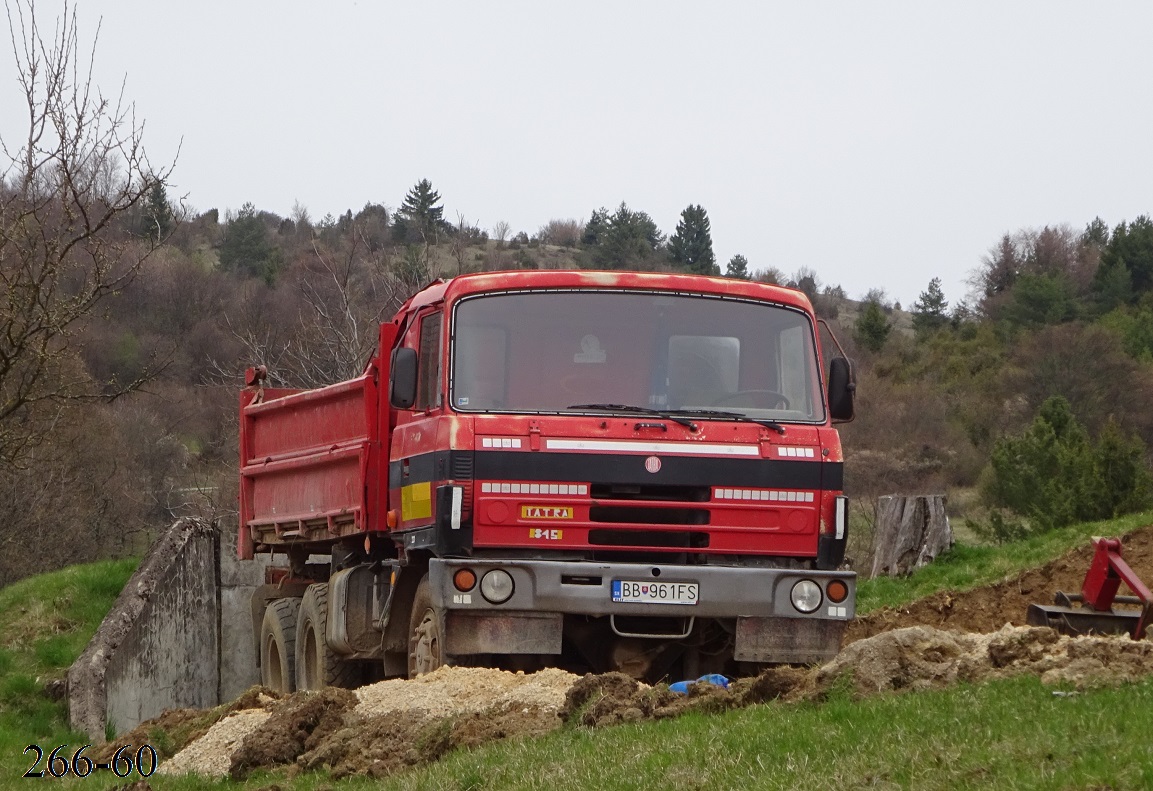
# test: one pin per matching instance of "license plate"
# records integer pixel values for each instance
(632, 592)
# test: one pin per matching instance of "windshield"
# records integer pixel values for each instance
(563, 351)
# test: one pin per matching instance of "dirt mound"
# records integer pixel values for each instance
(613, 698)
(374, 730)
(920, 657)
(988, 609)
(295, 726)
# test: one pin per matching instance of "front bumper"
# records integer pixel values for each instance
(582, 588)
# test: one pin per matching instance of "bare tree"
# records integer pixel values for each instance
(74, 180)
(563, 233)
(346, 297)
(465, 235)
(340, 294)
(500, 231)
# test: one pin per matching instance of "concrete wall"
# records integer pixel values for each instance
(158, 647)
(179, 635)
(238, 580)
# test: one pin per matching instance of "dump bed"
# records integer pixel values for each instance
(309, 463)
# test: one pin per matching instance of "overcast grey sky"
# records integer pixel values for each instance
(879, 143)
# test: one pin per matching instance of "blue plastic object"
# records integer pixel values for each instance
(716, 679)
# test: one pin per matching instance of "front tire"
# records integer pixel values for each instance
(317, 666)
(278, 645)
(425, 647)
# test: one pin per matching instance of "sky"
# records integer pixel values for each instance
(879, 144)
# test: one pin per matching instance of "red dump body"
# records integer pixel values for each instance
(310, 461)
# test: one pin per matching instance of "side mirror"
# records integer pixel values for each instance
(841, 389)
(402, 382)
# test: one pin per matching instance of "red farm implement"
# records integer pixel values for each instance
(1096, 613)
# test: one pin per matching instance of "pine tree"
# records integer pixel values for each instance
(420, 216)
(595, 228)
(156, 223)
(691, 246)
(1131, 246)
(626, 240)
(738, 267)
(872, 328)
(930, 309)
(1122, 482)
(245, 247)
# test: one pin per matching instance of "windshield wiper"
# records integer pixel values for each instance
(638, 410)
(739, 417)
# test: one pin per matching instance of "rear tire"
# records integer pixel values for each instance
(278, 645)
(424, 638)
(317, 666)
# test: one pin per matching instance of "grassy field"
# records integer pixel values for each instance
(1005, 734)
(45, 622)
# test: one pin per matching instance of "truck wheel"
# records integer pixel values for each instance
(424, 638)
(317, 666)
(278, 645)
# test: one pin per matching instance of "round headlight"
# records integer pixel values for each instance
(806, 596)
(496, 586)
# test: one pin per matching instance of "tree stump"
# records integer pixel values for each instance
(910, 531)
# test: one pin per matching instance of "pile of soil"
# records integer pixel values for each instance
(373, 731)
(385, 727)
(988, 609)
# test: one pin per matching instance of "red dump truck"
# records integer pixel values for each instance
(593, 470)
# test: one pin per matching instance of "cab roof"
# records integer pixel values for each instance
(480, 282)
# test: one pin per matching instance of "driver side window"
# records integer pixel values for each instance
(428, 384)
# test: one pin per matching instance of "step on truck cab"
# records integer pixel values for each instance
(595, 470)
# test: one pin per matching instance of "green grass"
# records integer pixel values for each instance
(1012, 734)
(965, 566)
(45, 622)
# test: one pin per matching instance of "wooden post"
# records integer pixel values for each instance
(909, 532)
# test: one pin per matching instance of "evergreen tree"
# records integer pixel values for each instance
(930, 311)
(1053, 475)
(420, 217)
(1112, 286)
(627, 240)
(1037, 300)
(1131, 246)
(691, 246)
(738, 267)
(1122, 482)
(595, 228)
(1042, 473)
(872, 328)
(1096, 233)
(245, 247)
(157, 220)
(807, 282)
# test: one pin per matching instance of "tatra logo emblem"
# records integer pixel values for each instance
(653, 464)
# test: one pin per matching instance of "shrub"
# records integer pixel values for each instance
(1054, 476)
